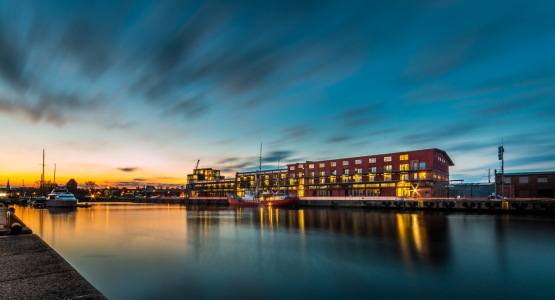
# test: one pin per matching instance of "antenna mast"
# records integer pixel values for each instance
(279, 173)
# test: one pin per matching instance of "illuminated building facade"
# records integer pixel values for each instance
(208, 183)
(420, 174)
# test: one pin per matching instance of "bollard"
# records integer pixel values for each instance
(15, 229)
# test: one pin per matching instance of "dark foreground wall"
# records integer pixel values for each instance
(33, 270)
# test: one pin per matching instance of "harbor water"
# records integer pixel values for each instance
(173, 251)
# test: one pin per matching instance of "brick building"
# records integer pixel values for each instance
(421, 173)
(526, 184)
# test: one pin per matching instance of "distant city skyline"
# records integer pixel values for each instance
(135, 92)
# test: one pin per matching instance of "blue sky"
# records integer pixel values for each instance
(134, 92)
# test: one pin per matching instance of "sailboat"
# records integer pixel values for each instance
(256, 197)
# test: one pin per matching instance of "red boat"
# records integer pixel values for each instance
(246, 201)
(278, 199)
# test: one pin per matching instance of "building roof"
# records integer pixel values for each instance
(527, 173)
(451, 163)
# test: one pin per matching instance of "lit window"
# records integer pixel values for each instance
(333, 172)
(322, 173)
(311, 174)
(387, 177)
(387, 158)
(358, 170)
(415, 176)
(404, 176)
(333, 164)
(322, 180)
(373, 170)
(345, 162)
(371, 178)
(322, 165)
(404, 157)
(422, 175)
(292, 175)
(292, 168)
(358, 161)
(372, 160)
(358, 178)
(388, 168)
(311, 166)
(301, 166)
(300, 174)
(345, 179)
(332, 179)
(404, 167)
(345, 171)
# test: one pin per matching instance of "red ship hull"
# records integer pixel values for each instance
(241, 202)
(289, 201)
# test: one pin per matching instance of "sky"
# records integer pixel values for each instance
(129, 93)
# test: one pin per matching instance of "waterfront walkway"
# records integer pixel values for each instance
(33, 270)
(3, 212)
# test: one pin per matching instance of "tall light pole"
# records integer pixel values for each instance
(500, 151)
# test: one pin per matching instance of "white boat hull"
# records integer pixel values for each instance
(61, 203)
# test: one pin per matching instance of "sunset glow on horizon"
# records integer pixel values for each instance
(134, 93)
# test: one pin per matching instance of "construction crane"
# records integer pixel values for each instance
(194, 173)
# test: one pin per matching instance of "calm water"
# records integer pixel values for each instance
(148, 251)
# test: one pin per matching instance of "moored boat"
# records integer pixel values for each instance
(61, 197)
(256, 197)
(39, 201)
(249, 199)
(279, 199)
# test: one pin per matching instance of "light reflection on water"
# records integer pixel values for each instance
(140, 251)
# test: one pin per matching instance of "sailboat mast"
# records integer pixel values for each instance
(260, 157)
(54, 173)
(259, 170)
(42, 183)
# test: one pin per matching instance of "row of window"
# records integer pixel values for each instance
(346, 162)
(524, 179)
(388, 168)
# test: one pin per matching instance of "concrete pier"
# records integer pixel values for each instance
(31, 269)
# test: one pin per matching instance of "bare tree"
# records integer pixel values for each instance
(91, 186)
